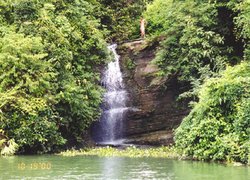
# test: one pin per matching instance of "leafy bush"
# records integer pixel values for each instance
(7, 147)
(242, 24)
(191, 48)
(198, 38)
(25, 92)
(218, 127)
(50, 52)
(121, 18)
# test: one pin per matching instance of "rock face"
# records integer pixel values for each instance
(155, 109)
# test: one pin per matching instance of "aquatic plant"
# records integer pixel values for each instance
(132, 151)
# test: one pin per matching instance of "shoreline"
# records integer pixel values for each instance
(168, 152)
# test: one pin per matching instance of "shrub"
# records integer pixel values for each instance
(218, 127)
(198, 38)
(50, 53)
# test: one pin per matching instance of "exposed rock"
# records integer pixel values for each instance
(154, 98)
(157, 138)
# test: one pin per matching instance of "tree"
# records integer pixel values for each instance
(26, 94)
(62, 41)
(218, 127)
(122, 18)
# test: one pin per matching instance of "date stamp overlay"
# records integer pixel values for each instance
(34, 166)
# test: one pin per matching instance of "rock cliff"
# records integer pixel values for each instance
(155, 111)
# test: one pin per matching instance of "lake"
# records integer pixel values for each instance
(92, 167)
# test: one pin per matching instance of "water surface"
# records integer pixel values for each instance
(92, 167)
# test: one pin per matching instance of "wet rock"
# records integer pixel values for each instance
(154, 97)
(157, 138)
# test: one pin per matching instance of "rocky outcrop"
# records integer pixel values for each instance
(155, 111)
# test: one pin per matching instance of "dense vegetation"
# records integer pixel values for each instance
(198, 39)
(218, 126)
(49, 54)
(121, 18)
(195, 43)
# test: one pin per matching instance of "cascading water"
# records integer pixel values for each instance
(114, 106)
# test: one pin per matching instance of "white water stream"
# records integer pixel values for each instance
(115, 97)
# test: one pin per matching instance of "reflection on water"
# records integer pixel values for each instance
(111, 169)
(92, 167)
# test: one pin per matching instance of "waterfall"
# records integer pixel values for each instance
(114, 103)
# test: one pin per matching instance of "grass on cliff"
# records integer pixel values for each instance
(133, 152)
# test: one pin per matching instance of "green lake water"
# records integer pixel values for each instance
(92, 167)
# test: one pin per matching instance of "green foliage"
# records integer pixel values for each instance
(7, 147)
(50, 53)
(243, 24)
(157, 15)
(218, 127)
(130, 65)
(160, 152)
(198, 38)
(25, 92)
(122, 18)
(191, 48)
(10, 148)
